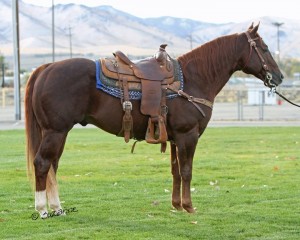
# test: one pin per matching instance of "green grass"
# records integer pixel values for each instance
(245, 186)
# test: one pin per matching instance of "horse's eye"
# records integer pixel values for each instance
(264, 47)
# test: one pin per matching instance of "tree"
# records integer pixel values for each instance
(290, 66)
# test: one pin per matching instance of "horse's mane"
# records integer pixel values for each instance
(211, 57)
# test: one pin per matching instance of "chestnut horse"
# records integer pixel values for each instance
(62, 94)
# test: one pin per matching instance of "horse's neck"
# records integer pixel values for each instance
(209, 67)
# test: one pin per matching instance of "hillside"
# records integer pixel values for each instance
(101, 30)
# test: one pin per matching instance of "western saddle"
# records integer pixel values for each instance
(154, 74)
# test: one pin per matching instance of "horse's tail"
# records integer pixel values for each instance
(33, 130)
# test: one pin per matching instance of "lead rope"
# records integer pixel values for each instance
(280, 95)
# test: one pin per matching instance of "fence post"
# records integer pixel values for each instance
(3, 83)
(3, 97)
(240, 105)
(261, 104)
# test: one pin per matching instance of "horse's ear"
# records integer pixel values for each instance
(251, 26)
(254, 29)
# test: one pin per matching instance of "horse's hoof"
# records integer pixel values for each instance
(44, 215)
(189, 209)
(177, 206)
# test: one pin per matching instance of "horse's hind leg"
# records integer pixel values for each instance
(47, 159)
(176, 197)
(52, 186)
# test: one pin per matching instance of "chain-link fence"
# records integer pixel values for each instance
(256, 103)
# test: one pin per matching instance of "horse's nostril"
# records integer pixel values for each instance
(282, 77)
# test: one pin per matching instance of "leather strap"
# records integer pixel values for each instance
(127, 124)
(193, 100)
(125, 90)
(164, 112)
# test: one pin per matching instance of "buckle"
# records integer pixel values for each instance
(127, 105)
(272, 91)
(191, 99)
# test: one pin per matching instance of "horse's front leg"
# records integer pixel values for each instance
(176, 198)
(186, 146)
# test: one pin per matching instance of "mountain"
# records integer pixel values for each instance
(103, 29)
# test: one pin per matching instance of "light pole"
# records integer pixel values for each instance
(278, 24)
(70, 40)
(15, 15)
(53, 33)
(190, 38)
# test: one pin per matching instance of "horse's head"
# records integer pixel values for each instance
(256, 58)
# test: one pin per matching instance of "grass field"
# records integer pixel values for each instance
(245, 186)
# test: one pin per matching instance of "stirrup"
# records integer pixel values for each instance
(156, 131)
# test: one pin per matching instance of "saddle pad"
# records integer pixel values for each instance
(111, 86)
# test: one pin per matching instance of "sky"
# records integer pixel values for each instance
(213, 11)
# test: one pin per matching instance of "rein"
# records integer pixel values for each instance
(283, 97)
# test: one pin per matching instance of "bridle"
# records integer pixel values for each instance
(268, 76)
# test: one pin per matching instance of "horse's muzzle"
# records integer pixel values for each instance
(273, 80)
